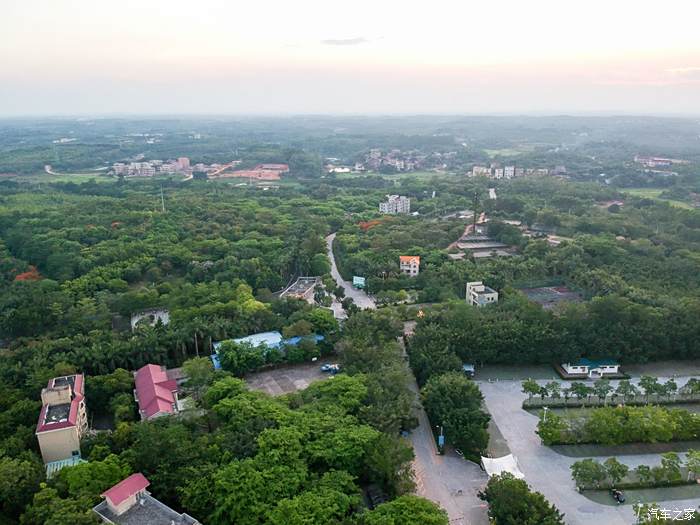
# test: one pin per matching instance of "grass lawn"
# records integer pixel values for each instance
(65, 177)
(654, 193)
(508, 152)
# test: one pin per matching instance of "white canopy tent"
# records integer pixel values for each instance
(496, 466)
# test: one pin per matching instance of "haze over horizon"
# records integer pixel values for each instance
(176, 57)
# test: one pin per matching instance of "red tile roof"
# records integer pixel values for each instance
(274, 167)
(409, 259)
(126, 488)
(155, 392)
(78, 394)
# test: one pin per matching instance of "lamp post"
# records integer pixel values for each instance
(441, 439)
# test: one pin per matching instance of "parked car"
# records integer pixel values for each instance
(331, 368)
(617, 496)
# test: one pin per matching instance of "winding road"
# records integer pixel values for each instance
(448, 480)
(361, 299)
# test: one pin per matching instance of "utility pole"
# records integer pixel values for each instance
(475, 205)
(162, 198)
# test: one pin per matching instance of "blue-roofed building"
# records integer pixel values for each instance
(593, 368)
(267, 339)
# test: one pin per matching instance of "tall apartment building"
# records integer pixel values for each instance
(395, 204)
(62, 421)
(509, 172)
(409, 265)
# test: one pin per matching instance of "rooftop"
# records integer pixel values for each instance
(126, 488)
(147, 510)
(154, 391)
(64, 414)
(301, 286)
(409, 259)
(593, 363)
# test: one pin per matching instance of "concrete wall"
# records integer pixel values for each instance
(58, 444)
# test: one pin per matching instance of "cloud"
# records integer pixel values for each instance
(684, 70)
(686, 73)
(345, 41)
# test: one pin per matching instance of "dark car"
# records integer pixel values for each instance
(617, 496)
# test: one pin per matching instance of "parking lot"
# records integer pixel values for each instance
(548, 471)
(286, 379)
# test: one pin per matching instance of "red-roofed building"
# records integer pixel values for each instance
(62, 420)
(125, 493)
(129, 503)
(409, 264)
(155, 392)
(280, 168)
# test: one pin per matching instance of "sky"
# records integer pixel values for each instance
(87, 57)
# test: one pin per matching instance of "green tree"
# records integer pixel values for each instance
(671, 463)
(554, 389)
(454, 401)
(650, 385)
(551, 428)
(626, 390)
(615, 470)
(531, 388)
(587, 473)
(19, 479)
(692, 462)
(199, 372)
(512, 502)
(405, 510)
(602, 388)
(644, 474)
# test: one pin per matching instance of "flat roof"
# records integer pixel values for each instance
(57, 413)
(301, 285)
(62, 415)
(148, 511)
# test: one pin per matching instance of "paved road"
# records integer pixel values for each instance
(448, 480)
(548, 471)
(361, 299)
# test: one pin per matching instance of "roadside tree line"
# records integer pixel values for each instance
(649, 389)
(673, 470)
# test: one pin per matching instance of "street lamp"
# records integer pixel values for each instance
(544, 417)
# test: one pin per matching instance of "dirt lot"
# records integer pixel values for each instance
(286, 379)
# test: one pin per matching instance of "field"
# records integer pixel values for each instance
(654, 193)
(508, 152)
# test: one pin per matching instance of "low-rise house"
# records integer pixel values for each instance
(156, 392)
(129, 503)
(592, 368)
(272, 340)
(409, 265)
(480, 295)
(303, 288)
(62, 420)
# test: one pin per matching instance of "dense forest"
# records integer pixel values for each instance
(78, 259)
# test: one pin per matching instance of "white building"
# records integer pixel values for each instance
(480, 295)
(509, 172)
(592, 368)
(395, 204)
(481, 171)
(409, 265)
